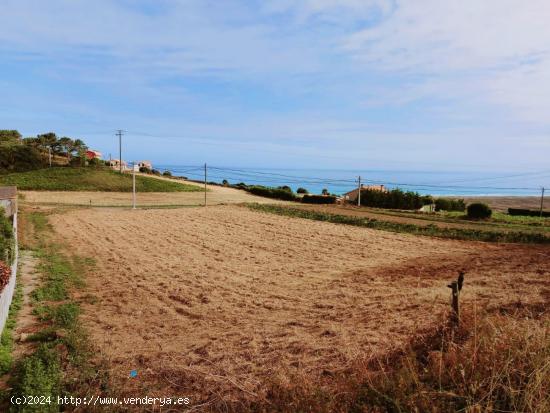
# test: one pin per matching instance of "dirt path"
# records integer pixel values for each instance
(26, 320)
(220, 301)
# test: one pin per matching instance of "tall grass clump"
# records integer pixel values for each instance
(501, 363)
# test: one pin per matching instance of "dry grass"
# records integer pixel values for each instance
(247, 311)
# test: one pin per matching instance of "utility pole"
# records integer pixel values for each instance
(50, 155)
(205, 184)
(541, 201)
(359, 192)
(133, 185)
(119, 134)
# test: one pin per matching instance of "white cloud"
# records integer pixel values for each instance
(496, 51)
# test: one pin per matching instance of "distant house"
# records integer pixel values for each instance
(352, 195)
(91, 154)
(145, 164)
(115, 164)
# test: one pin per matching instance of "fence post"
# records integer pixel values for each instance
(456, 287)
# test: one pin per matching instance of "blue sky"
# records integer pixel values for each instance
(420, 84)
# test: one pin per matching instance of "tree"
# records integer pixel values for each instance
(324, 191)
(67, 145)
(9, 136)
(302, 191)
(49, 140)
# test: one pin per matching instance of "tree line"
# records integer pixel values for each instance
(20, 154)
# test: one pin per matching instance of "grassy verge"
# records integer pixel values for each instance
(498, 220)
(62, 361)
(430, 230)
(89, 179)
(6, 340)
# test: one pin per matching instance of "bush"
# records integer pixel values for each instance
(302, 191)
(94, 162)
(225, 182)
(167, 173)
(155, 172)
(449, 204)
(318, 199)
(479, 210)
(144, 169)
(276, 193)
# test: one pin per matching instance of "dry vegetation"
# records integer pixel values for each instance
(242, 310)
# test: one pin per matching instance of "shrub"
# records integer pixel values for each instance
(155, 172)
(167, 173)
(285, 188)
(442, 204)
(302, 191)
(225, 182)
(144, 169)
(94, 162)
(318, 199)
(241, 185)
(324, 191)
(479, 210)
(267, 192)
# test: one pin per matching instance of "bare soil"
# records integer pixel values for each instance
(215, 195)
(217, 303)
(502, 203)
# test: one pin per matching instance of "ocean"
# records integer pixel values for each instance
(339, 181)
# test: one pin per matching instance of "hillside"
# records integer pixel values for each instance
(88, 179)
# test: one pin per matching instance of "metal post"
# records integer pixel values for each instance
(119, 134)
(541, 201)
(359, 192)
(205, 184)
(133, 185)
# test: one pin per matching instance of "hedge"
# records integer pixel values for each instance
(275, 193)
(528, 212)
(319, 199)
(394, 199)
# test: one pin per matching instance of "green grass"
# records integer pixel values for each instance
(498, 221)
(62, 361)
(6, 340)
(429, 230)
(89, 179)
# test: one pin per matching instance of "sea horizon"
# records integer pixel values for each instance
(340, 181)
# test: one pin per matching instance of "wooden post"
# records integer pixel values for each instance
(456, 287)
